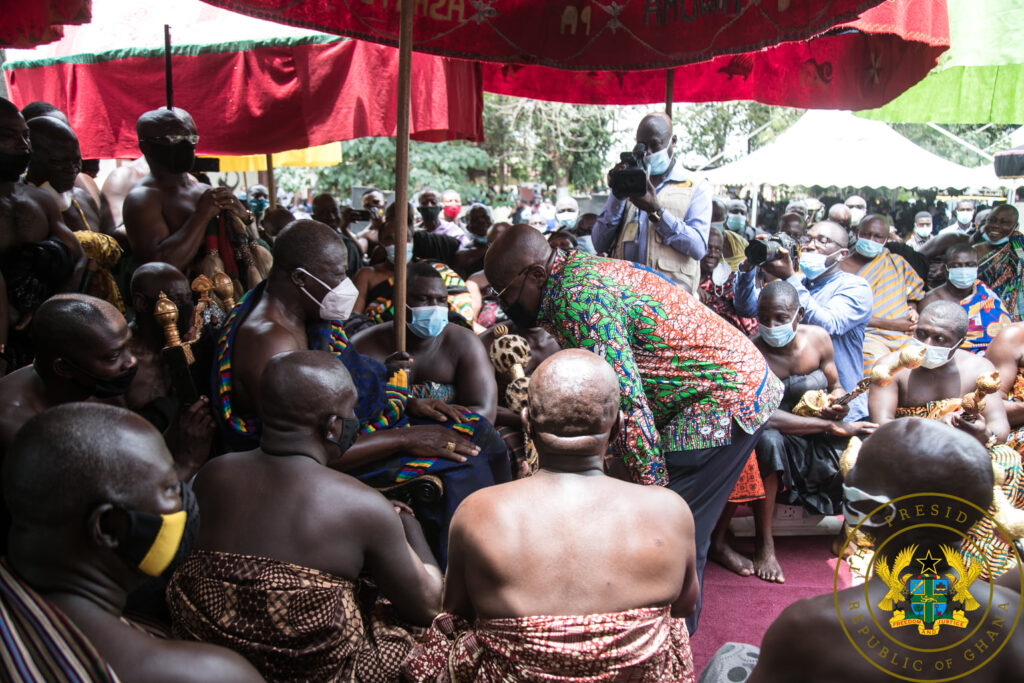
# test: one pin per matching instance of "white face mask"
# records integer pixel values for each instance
(720, 273)
(936, 356)
(337, 304)
(923, 231)
(856, 215)
(964, 217)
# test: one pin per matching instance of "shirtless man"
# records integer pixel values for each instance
(85, 549)
(448, 357)
(308, 420)
(807, 641)
(569, 541)
(119, 183)
(167, 212)
(56, 163)
(1006, 353)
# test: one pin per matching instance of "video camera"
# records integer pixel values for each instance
(765, 248)
(630, 181)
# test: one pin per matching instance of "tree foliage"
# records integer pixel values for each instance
(989, 137)
(706, 129)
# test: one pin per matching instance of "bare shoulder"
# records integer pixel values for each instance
(370, 338)
(463, 337)
(972, 362)
(200, 662)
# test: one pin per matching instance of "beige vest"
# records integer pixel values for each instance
(675, 196)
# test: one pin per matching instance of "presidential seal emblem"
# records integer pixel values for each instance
(934, 600)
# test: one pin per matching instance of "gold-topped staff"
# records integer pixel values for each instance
(224, 288)
(202, 286)
(177, 356)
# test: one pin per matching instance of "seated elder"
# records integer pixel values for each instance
(295, 556)
(934, 391)
(797, 456)
(552, 577)
(716, 281)
(448, 361)
(96, 509)
(986, 314)
(1006, 352)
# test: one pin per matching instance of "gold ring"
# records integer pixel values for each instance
(450, 446)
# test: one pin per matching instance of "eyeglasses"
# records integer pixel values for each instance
(171, 139)
(818, 240)
(495, 294)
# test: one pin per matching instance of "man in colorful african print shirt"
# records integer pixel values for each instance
(1001, 255)
(894, 284)
(695, 391)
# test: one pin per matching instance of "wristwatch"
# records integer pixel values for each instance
(656, 216)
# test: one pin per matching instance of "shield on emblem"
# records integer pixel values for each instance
(929, 596)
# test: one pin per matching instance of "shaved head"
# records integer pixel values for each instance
(150, 279)
(164, 121)
(512, 251)
(307, 244)
(298, 387)
(47, 129)
(950, 315)
(834, 232)
(840, 213)
(658, 124)
(574, 393)
(64, 321)
(36, 109)
(779, 292)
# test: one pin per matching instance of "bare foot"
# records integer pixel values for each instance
(766, 566)
(721, 553)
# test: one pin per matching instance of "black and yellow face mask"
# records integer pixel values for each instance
(155, 541)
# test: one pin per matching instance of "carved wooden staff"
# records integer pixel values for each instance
(177, 356)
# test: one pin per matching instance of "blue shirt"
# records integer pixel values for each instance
(687, 235)
(839, 302)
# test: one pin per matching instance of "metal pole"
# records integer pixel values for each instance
(402, 168)
(168, 83)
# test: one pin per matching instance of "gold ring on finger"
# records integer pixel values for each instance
(450, 446)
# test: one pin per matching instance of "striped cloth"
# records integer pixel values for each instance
(39, 642)
(893, 283)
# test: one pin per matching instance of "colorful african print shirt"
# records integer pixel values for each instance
(985, 318)
(1002, 271)
(684, 373)
(893, 283)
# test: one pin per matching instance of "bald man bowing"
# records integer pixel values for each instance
(560, 553)
(694, 391)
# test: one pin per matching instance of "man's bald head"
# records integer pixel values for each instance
(513, 251)
(39, 108)
(165, 121)
(64, 322)
(150, 279)
(950, 315)
(71, 458)
(779, 293)
(307, 244)
(49, 130)
(840, 213)
(572, 394)
(297, 388)
(658, 124)
(56, 156)
(834, 232)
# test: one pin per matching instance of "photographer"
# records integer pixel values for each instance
(676, 204)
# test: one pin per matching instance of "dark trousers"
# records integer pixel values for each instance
(705, 478)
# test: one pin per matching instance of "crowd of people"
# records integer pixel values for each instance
(218, 464)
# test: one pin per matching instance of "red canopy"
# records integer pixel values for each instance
(577, 34)
(859, 65)
(255, 98)
(33, 22)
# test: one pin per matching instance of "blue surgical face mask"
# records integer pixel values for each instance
(391, 253)
(812, 264)
(923, 231)
(963, 278)
(777, 336)
(567, 219)
(995, 242)
(868, 248)
(428, 321)
(585, 243)
(258, 206)
(658, 162)
(480, 240)
(735, 221)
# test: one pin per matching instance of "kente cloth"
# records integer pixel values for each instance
(720, 301)
(1002, 270)
(380, 307)
(292, 623)
(807, 464)
(39, 643)
(684, 373)
(106, 253)
(986, 316)
(636, 646)
(982, 544)
(893, 283)
(439, 390)
(749, 487)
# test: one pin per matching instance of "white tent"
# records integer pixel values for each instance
(836, 148)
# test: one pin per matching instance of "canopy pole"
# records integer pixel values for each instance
(168, 83)
(271, 190)
(670, 77)
(402, 168)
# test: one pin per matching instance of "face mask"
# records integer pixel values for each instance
(776, 336)
(390, 249)
(176, 158)
(995, 242)
(567, 219)
(812, 264)
(963, 278)
(13, 165)
(429, 213)
(735, 222)
(868, 248)
(856, 215)
(658, 162)
(258, 206)
(349, 433)
(480, 240)
(428, 321)
(452, 212)
(964, 217)
(923, 230)
(936, 356)
(107, 387)
(338, 302)
(853, 502)
(158, 543)
(720, 273)
(585, 243)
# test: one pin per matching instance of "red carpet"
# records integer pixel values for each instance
(740, 609)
